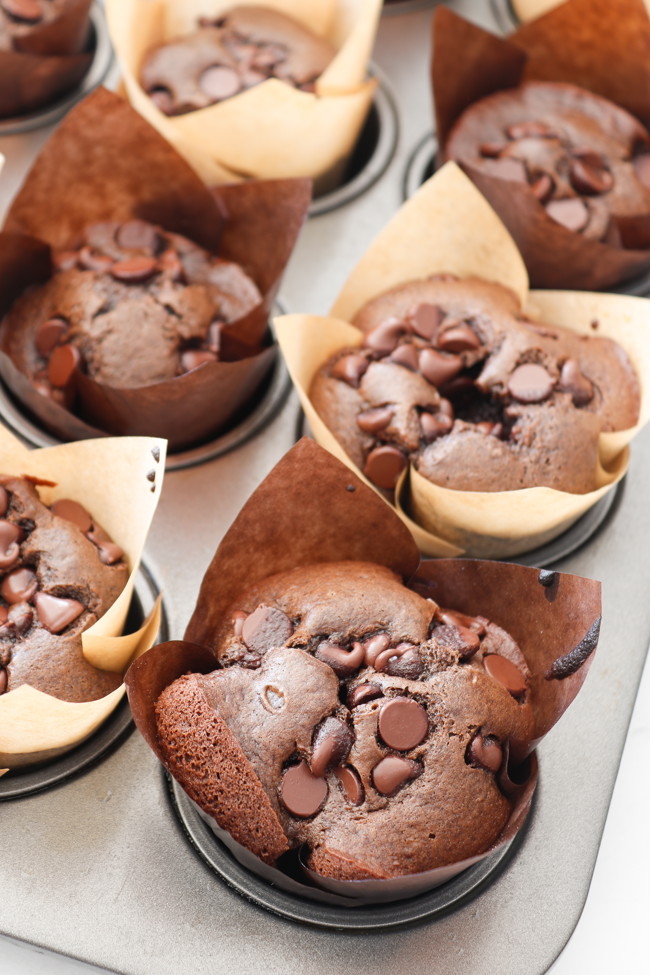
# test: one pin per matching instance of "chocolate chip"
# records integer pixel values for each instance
(642, 168)
(134, 270)
(302, 793)
(20, 616)
(459, 638)
(363, 693)
(403, 723)
(49, 334)
(530, 383)
(572, 381)
(74, 512)
(485, 752)
(529, 130)
(350, 784)
(491, 150)
(458, 338)
(193, 358)
(392, 772)
(384, 465)
(384, 338)
(139, 235)
(374, 646)
(433, 427)
(28, 11)
(350, 368)
(590, 179)
(331, 745)
(572, 213)
(407, 665)
(91, 261)
(63, 362)
(266, 627)
(372, 421)
(406, 355)
(9, 544)
(19, 586)
(155, 453)
(108, 551)
(4, 501)
(543, 187)
(506, 168)
(452, 618)
(504, 672)
(55, 612)
(383, 659)
(437, 368)
(343, 662)
(219, 82)
(546, 577)
(425, 320)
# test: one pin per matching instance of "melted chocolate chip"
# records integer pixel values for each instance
(372, 421)
(74, 512)
(573, 661)
(392, 772)
(458, 338)
(403, 723)
(331, 745)
(425, 320)
(302, 793)
(20, 616)
(350, 368)
(574, 382)
(56, 613)
(406, 355)
(408, 665)
(589, 175)
(530, 383)
(437, 368)
(485, 752)
(363, 693)
(10, 536)
(109, 553)
(459, 638)
(384, 338)
(19, 586)
(374, 646)
(343, 662)
(384, 465)
(433, 427)
(350, 784)
(504, 672)
(266, 627)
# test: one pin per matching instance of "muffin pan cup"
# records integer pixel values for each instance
(124, 863)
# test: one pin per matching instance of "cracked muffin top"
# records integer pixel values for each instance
(130, 304)
(451, 376)
(351, 711)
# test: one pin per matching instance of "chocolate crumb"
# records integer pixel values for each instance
(573, 661)
(151, 475)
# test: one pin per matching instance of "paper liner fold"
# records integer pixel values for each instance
(72, 185)
(594, 44)
(287, 523)
(273, 130)
(47, 62)
(35, 726)
(430, 235)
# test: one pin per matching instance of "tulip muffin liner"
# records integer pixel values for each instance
(448, 226)
(35, 726)
(600, 46)
(47, 62)
(137, 174)
(271, 131)
(292, 520)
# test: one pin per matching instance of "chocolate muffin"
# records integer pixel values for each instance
(59, 572)
(231, 53)
(452, 377)
(130, 304)
(585, 159)
(22, 23)
(349, 711)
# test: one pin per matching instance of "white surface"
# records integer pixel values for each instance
(611, 936)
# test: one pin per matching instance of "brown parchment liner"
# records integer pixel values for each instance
(47, 62)
(598, 45)
(447, 226)
(292, 520)
(112, 479)
(530, 9)
(138, 174)
(271, 131)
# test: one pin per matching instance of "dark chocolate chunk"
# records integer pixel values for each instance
(530, 383)
(266, 627)
(350, 784)
(55, 613)
(403, 723)
(109, 553)
(573, 661)
(504, 672)
(302, 793)
(384, 465)
(392, 772)
(331, 745)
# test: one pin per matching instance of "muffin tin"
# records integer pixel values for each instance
(136, 871)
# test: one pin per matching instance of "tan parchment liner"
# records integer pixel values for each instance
(282, 526)
(47, 62)
(110, 478)
(448, 226)
(270, 131)
(600, 46)
(136, 173)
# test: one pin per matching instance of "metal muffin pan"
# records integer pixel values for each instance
(124, 864)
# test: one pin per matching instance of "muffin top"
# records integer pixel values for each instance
(584, 158)
(59, 572)
(131, 304)
(451, 376)
(375, 725)
(230, 53)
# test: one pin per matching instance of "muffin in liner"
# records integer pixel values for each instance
(599, 46)
(118, 480)
(137, 174)
(292, 520)
(448, 226)
(46, 62)
(272, 131)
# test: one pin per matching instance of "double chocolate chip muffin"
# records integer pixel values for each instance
(59, 572)
(229, 54)
(130, 305)
(349, 711)
(585, 159)
(452, 377)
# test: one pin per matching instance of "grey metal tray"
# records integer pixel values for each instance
(132, 894)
